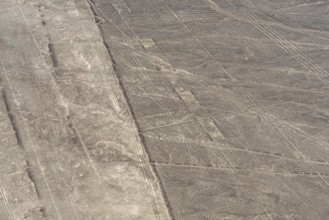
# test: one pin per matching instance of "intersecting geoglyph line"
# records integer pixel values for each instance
(136, 60)
(168, 113)
(244, 91)
(47, 126)
(29, 136)
(310, 64)
(27, 130)
(155, 92)
(137, 143)
(289, 48)
(212, 58)
(64, 104)
(5, 201)
(308, 204)
(118, 110)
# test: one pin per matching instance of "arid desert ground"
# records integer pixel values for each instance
(164, 109)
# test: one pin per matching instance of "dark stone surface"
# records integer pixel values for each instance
(232, 100)
(159, 109)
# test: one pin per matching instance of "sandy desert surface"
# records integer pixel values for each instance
(164, 109)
